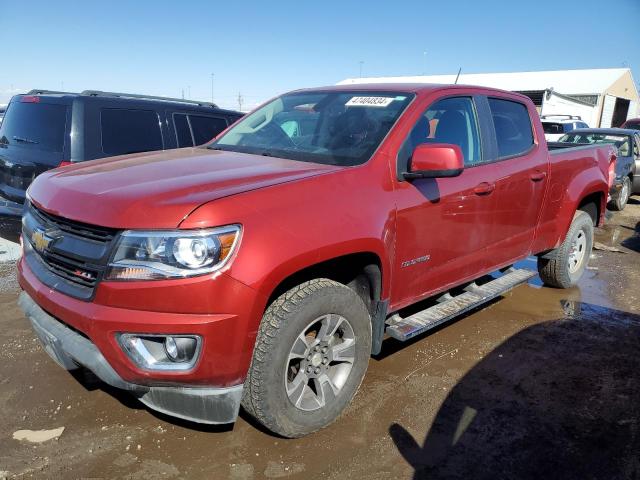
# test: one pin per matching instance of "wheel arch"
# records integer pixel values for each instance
(593, 204)
(361, 271)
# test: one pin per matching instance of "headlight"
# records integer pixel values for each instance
(156, 255)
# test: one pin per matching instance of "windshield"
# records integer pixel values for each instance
(39, 126)
(337, 128)
(620, 141)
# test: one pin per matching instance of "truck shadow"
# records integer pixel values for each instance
(557, 400)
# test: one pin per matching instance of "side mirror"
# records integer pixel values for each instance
(433, 160)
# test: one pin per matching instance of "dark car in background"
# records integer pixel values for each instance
(627, 141)
(45, 129)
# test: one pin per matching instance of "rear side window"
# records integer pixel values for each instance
(183, 131)
(130, 131)
(512, 125)
(39, 126)
(205, 128)
(552, 128)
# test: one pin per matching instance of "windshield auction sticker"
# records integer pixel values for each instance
(369, 102)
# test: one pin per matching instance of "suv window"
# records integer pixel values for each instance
(183, 131)
(130, 131)
(552, 128)
(196, 129)
(205, 128)
(453, 121)
(512, 126)
(39, 126)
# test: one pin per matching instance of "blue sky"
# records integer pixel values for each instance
(260, 49)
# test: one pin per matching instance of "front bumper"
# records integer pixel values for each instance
(71, 350)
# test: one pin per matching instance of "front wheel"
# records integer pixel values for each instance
(310, 357)
(564, 266)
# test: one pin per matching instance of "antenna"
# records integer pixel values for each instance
(240, 101)
(458, 76)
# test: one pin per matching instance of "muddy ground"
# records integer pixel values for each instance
(542, 383)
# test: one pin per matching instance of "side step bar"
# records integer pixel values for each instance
(449, 306)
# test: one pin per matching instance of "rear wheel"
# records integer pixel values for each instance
(564, 266)
(310, 357)
(620, 200)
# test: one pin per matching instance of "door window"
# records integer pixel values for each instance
(130, 131)
(453, 121)
(512, 126)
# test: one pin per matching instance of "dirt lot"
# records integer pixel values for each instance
(543, 383)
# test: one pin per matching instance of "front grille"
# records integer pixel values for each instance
(70, 270)
(72, 251)
(101, 234)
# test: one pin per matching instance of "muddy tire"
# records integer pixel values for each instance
(563, 267)
(311, 354)
(619, 201)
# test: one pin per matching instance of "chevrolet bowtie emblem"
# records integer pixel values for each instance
(41, 240)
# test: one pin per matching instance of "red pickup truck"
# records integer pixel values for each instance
(265, 268)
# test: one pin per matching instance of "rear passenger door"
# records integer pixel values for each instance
(194, 129)
(521, 180)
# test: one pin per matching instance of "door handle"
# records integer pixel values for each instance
(484, 188)
(537, 176)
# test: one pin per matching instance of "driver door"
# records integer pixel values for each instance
(444, 224)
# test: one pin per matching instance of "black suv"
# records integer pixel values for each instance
(45, 129)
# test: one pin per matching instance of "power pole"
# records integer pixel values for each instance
(212, 75)
(183, 93)
(240, 100)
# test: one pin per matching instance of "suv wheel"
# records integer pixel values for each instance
(564, 266)
(310, 357)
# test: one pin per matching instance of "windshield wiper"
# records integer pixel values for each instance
(24, 140)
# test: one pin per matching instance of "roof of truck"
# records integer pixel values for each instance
(401, 87)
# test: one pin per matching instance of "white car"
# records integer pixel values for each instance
(555, 126)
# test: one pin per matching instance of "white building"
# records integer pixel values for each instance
(602, 97)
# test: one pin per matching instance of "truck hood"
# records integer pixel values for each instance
(158, 190)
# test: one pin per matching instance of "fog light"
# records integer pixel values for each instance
(171, 348)
(161, 352)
